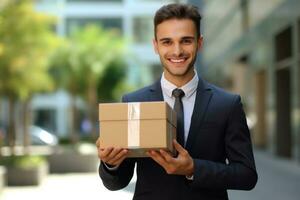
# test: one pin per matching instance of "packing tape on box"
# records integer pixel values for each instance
(133, 125)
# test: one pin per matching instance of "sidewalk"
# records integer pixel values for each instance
(67, 186)
(278, 179)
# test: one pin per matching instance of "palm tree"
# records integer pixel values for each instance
(79, 64)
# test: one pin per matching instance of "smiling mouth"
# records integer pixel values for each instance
(181, 60)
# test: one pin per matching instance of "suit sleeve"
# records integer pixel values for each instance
(240, 172)
(119, 178)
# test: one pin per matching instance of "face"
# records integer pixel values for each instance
(177, 44)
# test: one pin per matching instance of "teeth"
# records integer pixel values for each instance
(176, 61)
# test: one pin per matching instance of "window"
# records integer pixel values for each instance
(73, 24)
(143, 29)
(283, 44)
(94, 0)
(298, 36)
(45, 118)
(156, 71)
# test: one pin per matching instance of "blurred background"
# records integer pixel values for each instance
(60, 58)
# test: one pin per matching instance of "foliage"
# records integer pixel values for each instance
(80, 61)
(84, 60)
(113, 78)
(23, 162)
(26, 40)
(67, 141)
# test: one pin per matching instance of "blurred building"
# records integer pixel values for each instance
(252, 47)
(199, 62)
(132, 18)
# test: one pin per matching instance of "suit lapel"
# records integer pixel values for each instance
(156, 92)
(203, 97)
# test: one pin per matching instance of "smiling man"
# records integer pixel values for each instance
(213, 140)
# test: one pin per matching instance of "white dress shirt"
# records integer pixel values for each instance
(188, 100)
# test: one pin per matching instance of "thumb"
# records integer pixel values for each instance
(98, 142)
(178, 147)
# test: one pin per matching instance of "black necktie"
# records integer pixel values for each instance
(178, 107)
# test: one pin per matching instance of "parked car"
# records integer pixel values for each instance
(40, 136)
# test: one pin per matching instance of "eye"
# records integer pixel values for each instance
(187, 41)
(166, 42)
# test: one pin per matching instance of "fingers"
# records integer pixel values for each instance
(109, 154)
(167, 156)
(157, 157)
(98, 142)
(112, 155)
(181, 165)
(103, 153)
(118, 159)
(178, 147)
(165, 160)
(162, 157)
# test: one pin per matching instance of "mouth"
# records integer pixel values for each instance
(177, 60)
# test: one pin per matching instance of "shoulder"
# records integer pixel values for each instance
(223, 97)
(138, 95)
(222, 93)
(223, 102)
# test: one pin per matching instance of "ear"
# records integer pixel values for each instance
(155, 45)
(200, 42)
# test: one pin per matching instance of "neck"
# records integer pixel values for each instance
(180, 81)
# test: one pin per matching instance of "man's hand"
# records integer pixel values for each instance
(183, 164)
(112, 156)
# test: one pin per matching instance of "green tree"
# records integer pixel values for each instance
(26, 40)
(113, 79)
(68, 75)
(81, 62)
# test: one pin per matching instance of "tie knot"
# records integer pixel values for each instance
(178, 93)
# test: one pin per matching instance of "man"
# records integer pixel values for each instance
(214, 146)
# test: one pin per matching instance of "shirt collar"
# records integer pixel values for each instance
(189, 88)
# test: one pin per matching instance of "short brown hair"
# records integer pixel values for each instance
(177, 11)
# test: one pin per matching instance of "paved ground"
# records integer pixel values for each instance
(68, 186)
(278, 179)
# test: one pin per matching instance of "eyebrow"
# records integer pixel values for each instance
(188, 37)
(183, 38)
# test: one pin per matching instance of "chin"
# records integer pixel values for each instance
(177, 72)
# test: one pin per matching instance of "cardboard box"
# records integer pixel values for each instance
(137, 126)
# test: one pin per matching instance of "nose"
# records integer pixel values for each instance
(178, 50)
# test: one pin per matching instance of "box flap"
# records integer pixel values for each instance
(138, 110)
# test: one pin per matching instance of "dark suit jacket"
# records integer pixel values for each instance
(218, 132)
